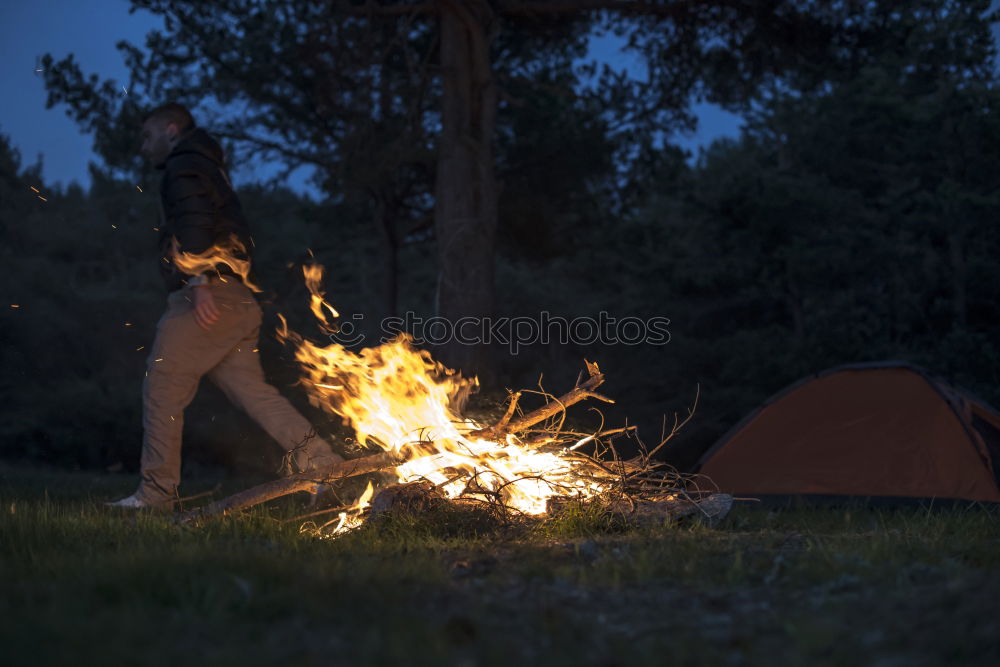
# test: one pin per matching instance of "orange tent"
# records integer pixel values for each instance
(876, 429)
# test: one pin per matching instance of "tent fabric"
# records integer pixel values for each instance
(865, 430)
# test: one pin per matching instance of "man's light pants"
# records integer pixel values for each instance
(182, 353)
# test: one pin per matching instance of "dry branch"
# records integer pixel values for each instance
(554, 407)
(644, 492)
(514, 398)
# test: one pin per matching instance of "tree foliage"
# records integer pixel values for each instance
(399, 100)
(849, 222)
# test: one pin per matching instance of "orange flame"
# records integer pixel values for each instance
(231, 253)
(314, 276)
(351, 518)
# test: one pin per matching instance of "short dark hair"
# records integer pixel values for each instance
(172, 112)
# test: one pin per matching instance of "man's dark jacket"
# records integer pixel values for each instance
(200, 208)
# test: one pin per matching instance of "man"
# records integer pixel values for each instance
(212, 320)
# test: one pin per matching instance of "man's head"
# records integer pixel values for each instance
(161, 129)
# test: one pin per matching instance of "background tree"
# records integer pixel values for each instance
(347, 87)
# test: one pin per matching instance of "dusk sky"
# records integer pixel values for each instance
(91, 29)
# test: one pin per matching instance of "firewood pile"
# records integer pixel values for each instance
(638, 490)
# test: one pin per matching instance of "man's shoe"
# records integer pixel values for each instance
(130, 503)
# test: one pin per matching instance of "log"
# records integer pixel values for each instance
(293, 483)
(711, 509)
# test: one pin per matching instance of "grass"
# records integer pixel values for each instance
(84, 585)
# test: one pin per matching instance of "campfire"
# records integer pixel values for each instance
(406, 406)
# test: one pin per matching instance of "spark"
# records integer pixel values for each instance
(128, 324)
(156, 229)
(255, 349)
(138, 188)
(160, 359)
(34, 188)
(125, 90)
(15, 305)
(139, 348)
(42, 198)
(113, 227)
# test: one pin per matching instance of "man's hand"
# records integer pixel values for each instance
(205, 312)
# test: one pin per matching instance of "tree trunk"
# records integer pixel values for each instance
(465, 214)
